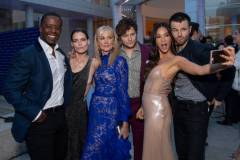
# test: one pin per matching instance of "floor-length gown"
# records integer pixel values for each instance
(108, 107)
(157, 119)
(77, 114)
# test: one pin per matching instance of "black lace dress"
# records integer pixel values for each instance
(77, 114)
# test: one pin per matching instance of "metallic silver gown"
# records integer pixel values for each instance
(157, 118)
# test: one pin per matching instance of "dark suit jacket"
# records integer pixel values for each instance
(208, 85)
(28, 86)
(145, 52)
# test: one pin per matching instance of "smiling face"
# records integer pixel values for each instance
(50, 30)
(105, 41)
(163, 40)
(80, 42)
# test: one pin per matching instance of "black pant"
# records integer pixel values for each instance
(232, 106)
(48, 140)
(190, 129)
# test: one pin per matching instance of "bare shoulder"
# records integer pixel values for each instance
(179, 58)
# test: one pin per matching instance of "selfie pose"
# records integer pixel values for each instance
(164, 65)
(192, 94)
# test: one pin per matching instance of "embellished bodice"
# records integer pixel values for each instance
(112, 81)
(105, 79)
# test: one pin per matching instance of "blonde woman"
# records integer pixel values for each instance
(109, 106)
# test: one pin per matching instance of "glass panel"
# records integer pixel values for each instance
(105, 3)
(222, 18)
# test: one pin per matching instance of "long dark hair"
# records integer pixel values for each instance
(154, 56)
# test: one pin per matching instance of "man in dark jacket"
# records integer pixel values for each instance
(38, 86)
(191, 93)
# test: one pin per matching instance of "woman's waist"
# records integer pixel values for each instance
(159, 94)
(105, 91)
(104, 94)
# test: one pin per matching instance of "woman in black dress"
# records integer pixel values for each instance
(82, 67)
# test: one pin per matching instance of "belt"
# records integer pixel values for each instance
(54, 109)
(190, 102)
(135, 99)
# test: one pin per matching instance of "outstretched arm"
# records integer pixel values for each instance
(195, 69)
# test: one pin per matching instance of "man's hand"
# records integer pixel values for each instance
(230, 56)
(216, 103)
(41, 118)
(140, 114)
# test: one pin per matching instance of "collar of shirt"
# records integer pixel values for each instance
(47, 49)
(136, 51)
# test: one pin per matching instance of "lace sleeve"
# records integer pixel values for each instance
(122, 89)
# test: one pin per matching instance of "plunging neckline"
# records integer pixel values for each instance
(83, 67)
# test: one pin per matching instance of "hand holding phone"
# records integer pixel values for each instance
(216, 56)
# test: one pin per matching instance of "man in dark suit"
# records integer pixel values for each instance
(38, 86)
(192, 93)
(136, 55)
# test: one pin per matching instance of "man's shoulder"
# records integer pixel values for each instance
(30, 49)
(144, 46)
(145, 49)
(197, 48)
(198, 45)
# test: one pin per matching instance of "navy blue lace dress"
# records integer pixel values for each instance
(109, 106)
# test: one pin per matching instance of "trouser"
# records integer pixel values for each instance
(232, 110)
(48, 140)
(190, 129)
(137, 129)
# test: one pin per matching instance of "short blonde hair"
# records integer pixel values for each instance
(115, 51)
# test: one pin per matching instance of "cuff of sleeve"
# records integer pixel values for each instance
(37, 116)
(123, 118)
(219, 98)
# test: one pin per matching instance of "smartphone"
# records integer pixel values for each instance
(216, 56)
(118, 129)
